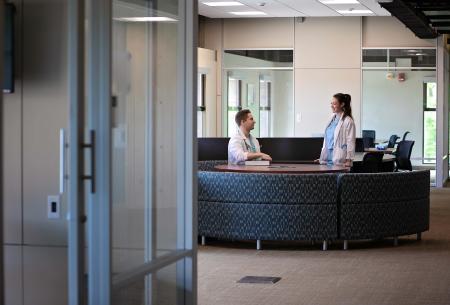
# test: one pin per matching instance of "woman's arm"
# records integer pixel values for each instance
(350, 139)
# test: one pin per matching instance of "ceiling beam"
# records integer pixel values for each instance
(440, 23)
(413, 19)
(438, 17)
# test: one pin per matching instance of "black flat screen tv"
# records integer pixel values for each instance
(8, 52)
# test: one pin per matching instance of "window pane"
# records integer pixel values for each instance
(146, 130)
(200, 90)
(234, 96)
(263, 90)
(264, 128)
(232, 127)
(412, 57)
(258, 58)
(429, 136)
(431, 95)
(391, 107)
(200, 123)
(374, 57)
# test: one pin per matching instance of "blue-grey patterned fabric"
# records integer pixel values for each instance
(267, 206)
(384, 204)
(267, 188)
(313, 206)
(210, 164)
(267, 221)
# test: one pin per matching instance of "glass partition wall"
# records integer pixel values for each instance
(399, 97)
(261, 81)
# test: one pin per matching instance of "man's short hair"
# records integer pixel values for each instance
(241, 116)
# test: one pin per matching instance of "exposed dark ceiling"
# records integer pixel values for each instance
(426, 18)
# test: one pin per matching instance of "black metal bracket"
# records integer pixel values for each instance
(91, 146)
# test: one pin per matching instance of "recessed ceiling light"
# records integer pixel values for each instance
(354, 12)
(223, 3)
(248, 13)
(339, 1)
(145, 19)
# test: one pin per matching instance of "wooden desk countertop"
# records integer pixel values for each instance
(283, 168)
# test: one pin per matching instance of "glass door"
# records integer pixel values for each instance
(2, 13)
(138, 154)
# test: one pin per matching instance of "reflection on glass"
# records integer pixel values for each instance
(160, 288)
(431, 95)
(272, 103)
(412, 57)
(429, 136)
(201, 109)
(145, 128)
(374, 57)
(403, 58)
(265, 96)
(391, 106)
(429, 123)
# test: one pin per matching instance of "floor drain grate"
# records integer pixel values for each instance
(259, 279)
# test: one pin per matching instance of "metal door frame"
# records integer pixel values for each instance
(99, 66)
(2, 282)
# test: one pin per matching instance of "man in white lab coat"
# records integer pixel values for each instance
(243, 146)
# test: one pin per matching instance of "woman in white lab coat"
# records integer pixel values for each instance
(340, 135)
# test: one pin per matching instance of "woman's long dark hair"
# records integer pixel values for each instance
(345, 101)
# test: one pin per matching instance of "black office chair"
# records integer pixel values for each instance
(403, 155)
(368, 142)
(371, 163)
(404, 135)
(392, 141)
(359, 145)
(368, 134)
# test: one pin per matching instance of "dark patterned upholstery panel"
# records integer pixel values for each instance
(267, 188)
(210, 164)
(384, 219)
(384, 204)
(267, 221)
(384, 187)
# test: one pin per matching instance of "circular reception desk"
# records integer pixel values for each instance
(310, 207)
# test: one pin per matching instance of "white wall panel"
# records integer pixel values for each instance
(12, 150)
(389, 32)
(314, 89)
(13, 275)
(332, 42)
(45, 275)
(258, 33)
(45, 110)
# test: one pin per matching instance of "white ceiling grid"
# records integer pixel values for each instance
(290, 8)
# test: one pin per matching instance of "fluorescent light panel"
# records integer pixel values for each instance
(248, 13)
(223, 3)
(354, 12)
(339, 1)
(145, 19)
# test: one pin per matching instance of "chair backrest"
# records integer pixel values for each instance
(359, 145)
(404, 135)
(368, 142)
(403, 155)
(368, 134)
(392, 140)
(372, 162)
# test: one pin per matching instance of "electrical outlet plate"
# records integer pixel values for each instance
(53, 207)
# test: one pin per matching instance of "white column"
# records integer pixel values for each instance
(442, 77)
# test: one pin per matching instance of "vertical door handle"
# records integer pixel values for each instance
(62, 160)
(91, 146)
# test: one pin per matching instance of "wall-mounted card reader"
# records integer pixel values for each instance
(53, 207)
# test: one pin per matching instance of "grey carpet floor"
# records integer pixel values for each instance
(369, 273)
